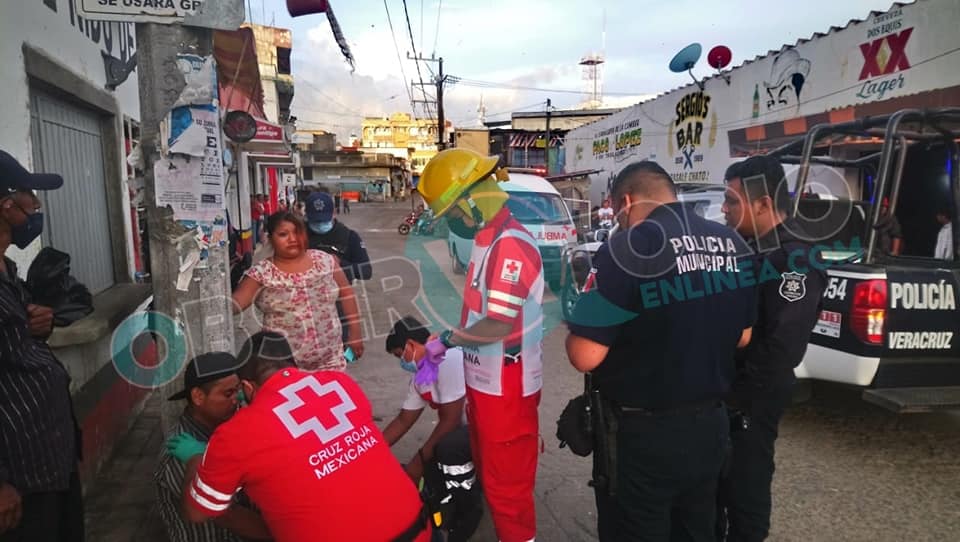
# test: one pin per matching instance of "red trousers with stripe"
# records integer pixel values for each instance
(505, 438)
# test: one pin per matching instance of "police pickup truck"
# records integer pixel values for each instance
(889, 321)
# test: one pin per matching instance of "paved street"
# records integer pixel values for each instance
(846, 470)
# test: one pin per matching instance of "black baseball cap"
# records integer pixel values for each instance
(205, 368)
(14, 177)
(406, 328)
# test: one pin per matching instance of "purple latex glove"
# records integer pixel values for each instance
(427, 373)
(428, 368)
(436, 351)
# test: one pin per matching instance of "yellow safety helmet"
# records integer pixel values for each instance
(450, 174)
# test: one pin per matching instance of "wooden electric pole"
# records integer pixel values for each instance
(438, 81)
(203, 312)
(546, 152)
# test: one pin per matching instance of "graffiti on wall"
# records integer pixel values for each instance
(788, 74)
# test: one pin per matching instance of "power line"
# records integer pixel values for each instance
(514, 110)
(490, 84)
(436, 32)
(328, 97)
(403, 73)
(413, 45)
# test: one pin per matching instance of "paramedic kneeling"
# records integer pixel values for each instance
(658, 330)
(307, 453)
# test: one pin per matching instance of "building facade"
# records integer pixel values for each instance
(905, 57)
(63, 115)
(401, 130)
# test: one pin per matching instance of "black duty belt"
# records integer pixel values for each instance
(688, 408)
(418, 526)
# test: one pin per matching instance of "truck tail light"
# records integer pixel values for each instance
(869, 310)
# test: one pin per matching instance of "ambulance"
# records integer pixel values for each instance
(537, 205)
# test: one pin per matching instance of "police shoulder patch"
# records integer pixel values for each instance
(793, 286)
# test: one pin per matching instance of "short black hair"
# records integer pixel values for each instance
(645, 177)
(762, 175)
(274, 221)
(406, 328)
(262, 355)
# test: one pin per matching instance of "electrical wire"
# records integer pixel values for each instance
(334, 101)
(403, 73)
(416, 60)
(490, 84)
(436, 32)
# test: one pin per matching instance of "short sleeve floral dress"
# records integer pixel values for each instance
(302, 306)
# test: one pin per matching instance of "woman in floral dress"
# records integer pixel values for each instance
(296, 289)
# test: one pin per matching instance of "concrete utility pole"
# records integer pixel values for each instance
(204, 312)
(546, 152)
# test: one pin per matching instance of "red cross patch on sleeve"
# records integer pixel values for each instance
(510, 272)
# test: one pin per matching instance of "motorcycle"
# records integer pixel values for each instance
(408, 223)
(424, 225)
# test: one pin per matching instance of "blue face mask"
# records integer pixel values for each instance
(321, 227)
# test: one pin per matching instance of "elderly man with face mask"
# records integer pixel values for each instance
(211, 389)
(40, 493)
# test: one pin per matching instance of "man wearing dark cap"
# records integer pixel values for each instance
(330, 235)
(40, 493)
(210, 388)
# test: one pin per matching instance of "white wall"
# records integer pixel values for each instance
(75, 44)
(835, 63)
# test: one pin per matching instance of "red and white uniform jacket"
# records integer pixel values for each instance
(504, 282)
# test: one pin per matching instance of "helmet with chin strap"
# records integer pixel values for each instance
(450, 175)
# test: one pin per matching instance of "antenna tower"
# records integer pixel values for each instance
(593, 71)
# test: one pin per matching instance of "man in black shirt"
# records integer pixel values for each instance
(672, 299)
(40, 494)
(788, 307)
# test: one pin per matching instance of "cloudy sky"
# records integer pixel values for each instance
(499, 45)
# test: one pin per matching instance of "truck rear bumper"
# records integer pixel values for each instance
(836, 366)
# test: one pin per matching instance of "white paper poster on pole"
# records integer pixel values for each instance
(194, 143)
(175, 180)
(211, 170)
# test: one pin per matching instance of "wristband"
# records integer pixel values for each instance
(445, 338)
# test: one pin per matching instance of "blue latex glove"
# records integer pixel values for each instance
(428, 369)
(183, 447)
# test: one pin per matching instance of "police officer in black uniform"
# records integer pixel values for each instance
(328, 234)
(791, 280)
(672, 302)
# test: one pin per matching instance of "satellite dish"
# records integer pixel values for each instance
(719, 57)
(686, 59)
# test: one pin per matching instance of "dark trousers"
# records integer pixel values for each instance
(745, 500)
(667, 468)
(55, 516)
(454, 459)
